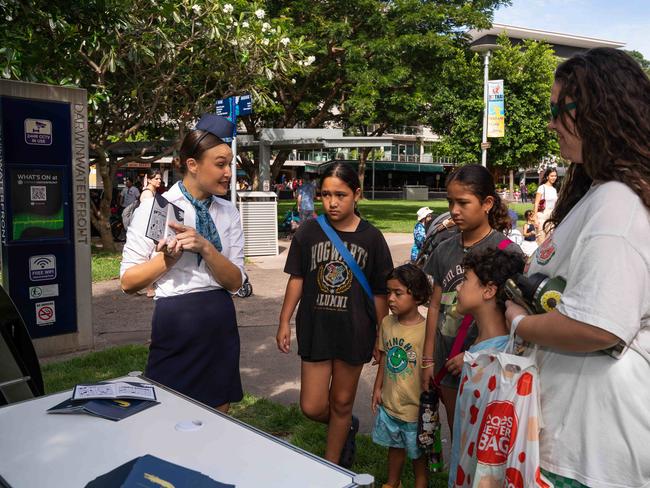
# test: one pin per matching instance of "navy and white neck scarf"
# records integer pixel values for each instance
(204, 224)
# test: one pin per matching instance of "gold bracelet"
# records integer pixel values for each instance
(425, 366)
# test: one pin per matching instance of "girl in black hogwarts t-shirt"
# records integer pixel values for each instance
(336, 323)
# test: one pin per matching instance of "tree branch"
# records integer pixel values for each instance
(91, 63)
(324, 112)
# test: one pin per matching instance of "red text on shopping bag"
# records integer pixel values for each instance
(498, 430)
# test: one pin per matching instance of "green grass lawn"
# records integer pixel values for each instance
(386, 215)
(287, 423)
(396, 215)
(105, 265)
(95, 366)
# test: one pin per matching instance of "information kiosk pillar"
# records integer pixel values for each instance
(45, 213)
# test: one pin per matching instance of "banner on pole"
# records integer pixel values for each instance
(496, 112)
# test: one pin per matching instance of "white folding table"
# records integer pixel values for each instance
(65, 450)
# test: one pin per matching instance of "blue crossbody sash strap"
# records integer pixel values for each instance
(346, 255)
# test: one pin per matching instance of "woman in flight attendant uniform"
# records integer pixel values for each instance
(194, 338)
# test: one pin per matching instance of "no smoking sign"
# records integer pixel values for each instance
(45, 313)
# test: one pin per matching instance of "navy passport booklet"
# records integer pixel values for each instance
(109, 409)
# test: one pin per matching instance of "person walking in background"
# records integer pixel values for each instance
(242, 184)
(194, 337)
(594, 348)
(523, 189)
(153, 182)
(545, 199)
(529, 231)
(129, 194)
(424, 215)
(305, 196)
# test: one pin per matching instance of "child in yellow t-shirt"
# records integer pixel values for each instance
(396, 395)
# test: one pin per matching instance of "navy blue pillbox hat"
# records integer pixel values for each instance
(216, 125)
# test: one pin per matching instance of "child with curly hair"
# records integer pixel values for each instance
(481, 293)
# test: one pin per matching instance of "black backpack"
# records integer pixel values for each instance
(436, 233)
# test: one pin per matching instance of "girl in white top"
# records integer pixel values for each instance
(547, 192)
(194, 339)
(595, 404)
(153, 180)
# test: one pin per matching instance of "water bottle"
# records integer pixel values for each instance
(429, 439)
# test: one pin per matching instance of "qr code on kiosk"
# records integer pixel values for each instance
(38, 193)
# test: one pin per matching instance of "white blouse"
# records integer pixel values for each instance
(186, 276)
(550, 194)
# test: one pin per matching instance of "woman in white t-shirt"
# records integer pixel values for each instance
(595, 403)
(547, 193)
(194, 338)
(153, 180)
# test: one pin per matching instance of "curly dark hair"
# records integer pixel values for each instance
(415, 281)
(494, 266)
(480, 182)
(612, 117)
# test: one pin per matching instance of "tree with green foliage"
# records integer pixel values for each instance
(411, 42)
(372, 63)
(527, 73)
(643, 62)
(150, 67)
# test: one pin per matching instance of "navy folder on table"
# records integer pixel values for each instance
(151, 472)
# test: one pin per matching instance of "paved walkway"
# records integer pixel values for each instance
(125, 319)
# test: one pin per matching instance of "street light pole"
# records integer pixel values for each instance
(486, 74)
(486, 49)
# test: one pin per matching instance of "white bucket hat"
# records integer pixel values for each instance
(423, 212)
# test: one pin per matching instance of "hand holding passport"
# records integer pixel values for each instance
(162, 213)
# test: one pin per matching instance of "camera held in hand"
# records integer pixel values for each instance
(539, 293)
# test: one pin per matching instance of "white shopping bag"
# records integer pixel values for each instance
(500, 421)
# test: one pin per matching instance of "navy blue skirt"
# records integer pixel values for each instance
(195, 347)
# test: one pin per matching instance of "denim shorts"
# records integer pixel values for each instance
(391, 432)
